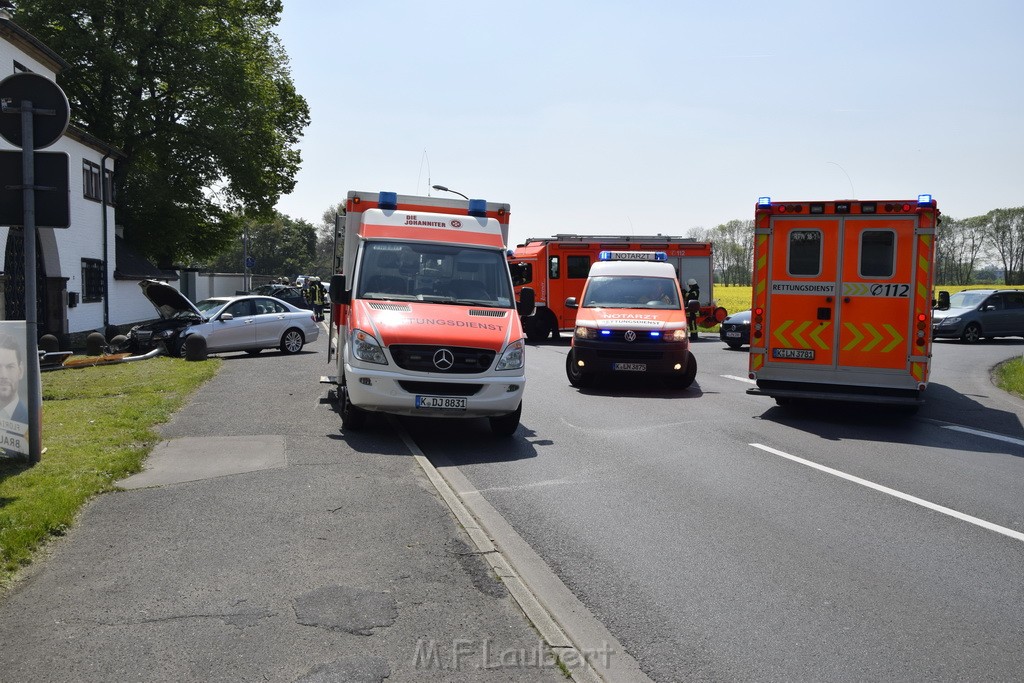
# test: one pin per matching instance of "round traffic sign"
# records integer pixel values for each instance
(250, 262)
(43, 93)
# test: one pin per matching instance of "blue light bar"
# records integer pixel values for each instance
(632, 256)
(387, 200)
(606, 332)
(478, 208)
(764, 201)
(924, 199)
(655, 334)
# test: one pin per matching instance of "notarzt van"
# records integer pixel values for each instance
(842, 304)
(631, 320)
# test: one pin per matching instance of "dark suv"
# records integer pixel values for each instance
(977, 313)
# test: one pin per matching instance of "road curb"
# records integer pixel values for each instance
(566, 625)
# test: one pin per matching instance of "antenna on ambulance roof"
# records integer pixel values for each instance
(423, 158)
(853, 194)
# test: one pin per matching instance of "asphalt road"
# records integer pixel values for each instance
(702, 528)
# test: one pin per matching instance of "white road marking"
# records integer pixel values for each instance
(987, 435)
(740, 379)
(898, 494)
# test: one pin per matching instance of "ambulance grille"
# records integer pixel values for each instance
(490, 313)
(420, 358)
(441, 388)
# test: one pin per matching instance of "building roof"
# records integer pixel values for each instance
(30, 45)
(130, 265)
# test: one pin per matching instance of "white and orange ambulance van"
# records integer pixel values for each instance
(631, 320)
(841, 305)
(424, 320)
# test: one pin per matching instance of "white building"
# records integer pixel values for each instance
(87, 279)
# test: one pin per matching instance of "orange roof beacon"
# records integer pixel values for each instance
(556, 268)
(424, 321)
(842, 299)
(630, 320)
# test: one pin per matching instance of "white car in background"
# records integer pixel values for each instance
(247, 323)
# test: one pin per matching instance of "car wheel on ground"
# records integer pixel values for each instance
(506, 425)
(734, 345)
(577, 377)
(972, 333)
(292, 341)
(352, 418)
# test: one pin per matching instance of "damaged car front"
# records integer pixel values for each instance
(176, 313)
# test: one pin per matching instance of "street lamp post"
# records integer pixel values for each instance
(442, 188)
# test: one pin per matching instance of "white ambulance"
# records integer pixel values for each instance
(424, 320)
(631, 320)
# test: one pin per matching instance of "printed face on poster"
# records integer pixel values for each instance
(13, 390)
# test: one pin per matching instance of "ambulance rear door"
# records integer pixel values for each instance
(840, 298)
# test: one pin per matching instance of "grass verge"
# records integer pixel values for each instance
(98, 426)
(1010, 376)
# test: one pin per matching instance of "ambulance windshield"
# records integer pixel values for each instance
(631, 292)
(434, 273)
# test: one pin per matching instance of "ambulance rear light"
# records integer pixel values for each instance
(757, 322)
(388, 201)
(632, 256)
(897, 207)
(478, 208)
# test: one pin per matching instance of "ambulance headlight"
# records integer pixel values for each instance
(585, 332)
(366, 348)
(513, 358)
(679, 335)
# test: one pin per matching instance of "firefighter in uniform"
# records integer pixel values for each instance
(316, 297)
(692, 294)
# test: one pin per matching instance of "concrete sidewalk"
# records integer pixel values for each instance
(262, 545)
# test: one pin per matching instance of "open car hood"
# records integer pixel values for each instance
(167, 300)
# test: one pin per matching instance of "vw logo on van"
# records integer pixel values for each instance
(444, 359)
(630, 336)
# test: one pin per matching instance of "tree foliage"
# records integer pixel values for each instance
(199, 97)
(282, 246)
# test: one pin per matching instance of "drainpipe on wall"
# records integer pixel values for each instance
(106, 271)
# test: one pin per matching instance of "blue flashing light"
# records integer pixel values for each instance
(764, 201)
(632, 256)
(388, 200)
(655, 334)
(478, 208)
(924, 199)
(606, 332)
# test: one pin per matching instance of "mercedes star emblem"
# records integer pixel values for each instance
(444, 359)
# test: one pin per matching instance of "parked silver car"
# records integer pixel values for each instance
(228, 323)
(977, 313)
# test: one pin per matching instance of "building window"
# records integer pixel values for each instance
(108, 179)
(92, 280)
(91, 180)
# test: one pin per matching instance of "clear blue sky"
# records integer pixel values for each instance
(657, 117)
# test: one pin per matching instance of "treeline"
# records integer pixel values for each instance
(985, 249)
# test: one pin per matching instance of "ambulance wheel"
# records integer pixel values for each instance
(540, 325)
(734, 344)
(972, 333)
(352, 418)
(506, 425)
(686, 377)
(577, 377)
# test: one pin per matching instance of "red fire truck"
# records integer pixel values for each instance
(557, 267)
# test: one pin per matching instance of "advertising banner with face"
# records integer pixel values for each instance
(13, 389)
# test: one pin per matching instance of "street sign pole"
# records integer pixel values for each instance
(28, 180)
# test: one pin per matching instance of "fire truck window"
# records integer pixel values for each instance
(553, 268)
(805, 252)
(579, 267)
(877, 253)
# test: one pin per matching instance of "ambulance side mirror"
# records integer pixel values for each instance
(527, 303)
(693, 306)
(339, 295)
(571, 302)
(943, 304)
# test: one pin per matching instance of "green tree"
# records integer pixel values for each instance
(199, 97)
(281, 246)
(325, 247)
